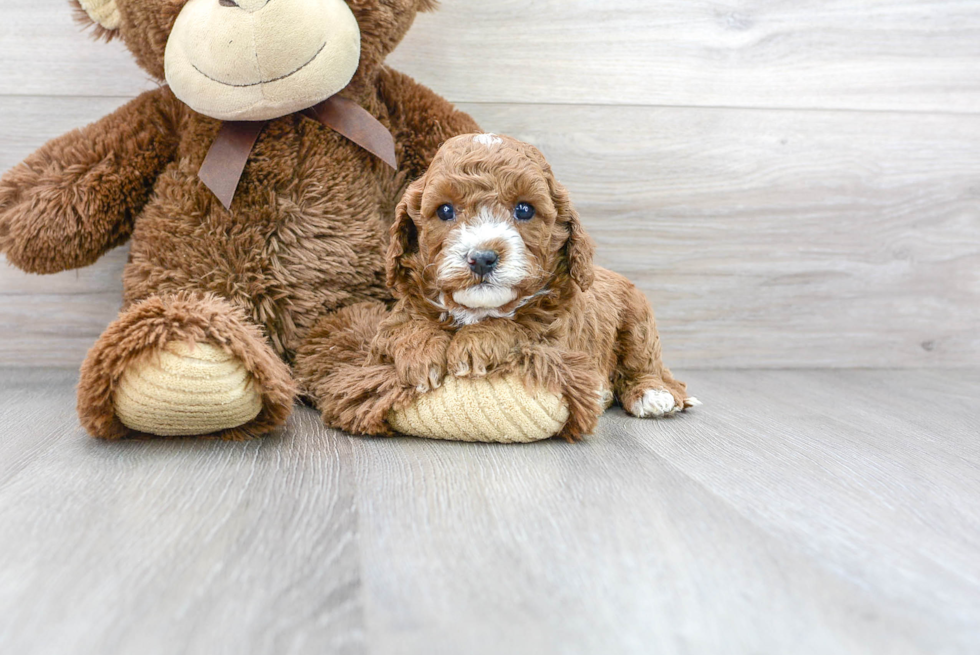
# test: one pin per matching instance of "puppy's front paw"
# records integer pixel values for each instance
(465, 366)
(424, 365)
(424, 376)
(654, 403)
(469, 357)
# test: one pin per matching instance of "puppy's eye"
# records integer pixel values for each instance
(446, 213)
(524, 211)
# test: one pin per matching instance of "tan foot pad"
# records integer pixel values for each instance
(187, 390)
(502, 410)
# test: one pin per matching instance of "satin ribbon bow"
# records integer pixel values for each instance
(225, 162)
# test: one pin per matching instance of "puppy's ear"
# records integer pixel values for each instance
(404, 239)
(579, 249)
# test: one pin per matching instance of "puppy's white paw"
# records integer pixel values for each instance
(433, 382)
(654, 404)
(435, 377)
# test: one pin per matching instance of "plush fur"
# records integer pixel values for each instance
(306, 235)
(145, 327)
(565, 325)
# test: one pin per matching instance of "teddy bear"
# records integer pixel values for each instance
(256, 187)
(494, 278)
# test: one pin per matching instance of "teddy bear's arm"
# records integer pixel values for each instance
(77, 197)
(421, 121)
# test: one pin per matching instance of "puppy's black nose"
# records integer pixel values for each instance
(482, 262)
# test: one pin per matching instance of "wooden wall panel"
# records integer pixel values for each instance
(45, 52)
(764, 238)
(866, 54)
(874, 54)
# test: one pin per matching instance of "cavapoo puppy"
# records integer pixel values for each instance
(493, 274)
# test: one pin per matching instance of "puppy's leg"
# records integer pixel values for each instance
(644, 386)
(478, 349)
(417, 349)
(571, 374)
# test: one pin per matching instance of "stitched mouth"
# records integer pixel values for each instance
(270, 81)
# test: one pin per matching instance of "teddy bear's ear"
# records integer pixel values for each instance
(103, 13)
(428, 5)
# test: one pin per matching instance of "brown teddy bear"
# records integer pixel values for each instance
(256, 188)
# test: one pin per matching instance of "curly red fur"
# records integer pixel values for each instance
(572, 328)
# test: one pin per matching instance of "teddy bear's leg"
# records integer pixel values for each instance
(572, 377)
(183, 365)
(332, 366)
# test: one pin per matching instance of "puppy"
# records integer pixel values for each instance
(493, 274)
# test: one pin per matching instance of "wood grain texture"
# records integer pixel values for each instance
(796, 512)
(876, 54)
(763, 238)
(761, 523)
(170, 546)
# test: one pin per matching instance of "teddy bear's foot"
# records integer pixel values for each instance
(183, 365)
(498, 410)
(187, 389)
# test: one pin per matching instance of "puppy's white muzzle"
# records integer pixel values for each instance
(484, 296)
(487, 231)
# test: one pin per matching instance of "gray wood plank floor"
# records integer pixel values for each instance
(796, 512)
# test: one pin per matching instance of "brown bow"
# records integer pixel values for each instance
(222, 168)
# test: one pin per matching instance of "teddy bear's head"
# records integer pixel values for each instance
(255, 59)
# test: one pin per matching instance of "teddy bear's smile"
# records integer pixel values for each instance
(262, 60)
(269, 81)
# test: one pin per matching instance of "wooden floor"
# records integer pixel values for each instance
(796, 512)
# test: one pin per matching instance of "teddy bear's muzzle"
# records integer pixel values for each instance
(252, 60)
